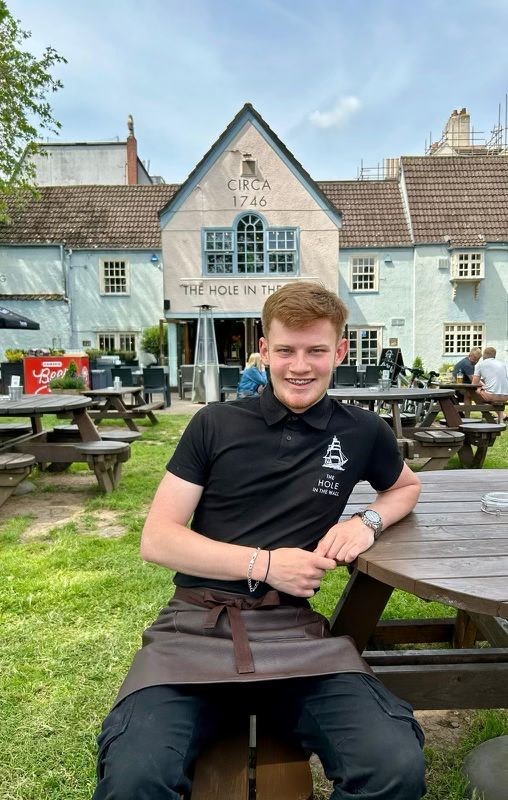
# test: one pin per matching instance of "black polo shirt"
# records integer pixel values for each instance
(273, 478)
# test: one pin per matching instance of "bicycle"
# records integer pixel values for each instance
(412, 412)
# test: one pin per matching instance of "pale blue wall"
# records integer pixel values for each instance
(435, 304)
(93, 312)
(49, 269)
(394, 300)
(34, 270)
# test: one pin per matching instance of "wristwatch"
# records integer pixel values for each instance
(372, 520)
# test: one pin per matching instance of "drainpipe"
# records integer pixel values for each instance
(414, 305)
(66, 256)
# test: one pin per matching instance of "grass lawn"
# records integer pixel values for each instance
(72, 607)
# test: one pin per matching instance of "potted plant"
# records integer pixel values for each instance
(13, 365)
(70, 382)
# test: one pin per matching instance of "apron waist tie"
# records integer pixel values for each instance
(218, 602)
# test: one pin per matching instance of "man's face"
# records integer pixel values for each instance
(301, 361)
(474, 358)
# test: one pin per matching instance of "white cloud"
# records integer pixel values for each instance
(337, 116)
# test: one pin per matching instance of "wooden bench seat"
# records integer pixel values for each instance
(240, 765)
(105, 458)
(71, 432)
(130, 413)
(437, 445)
(481, 435)
(14, 467)
(10, 430)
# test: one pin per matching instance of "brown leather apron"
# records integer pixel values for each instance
(206, 636)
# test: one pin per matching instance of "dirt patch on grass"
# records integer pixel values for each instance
(61, 505)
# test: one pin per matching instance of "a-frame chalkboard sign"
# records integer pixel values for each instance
(391, 359)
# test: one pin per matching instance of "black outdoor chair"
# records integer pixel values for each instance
(345, 375)
(124, 373)
(185, 379)
(155, 381)
(372, 375)
(229, 378)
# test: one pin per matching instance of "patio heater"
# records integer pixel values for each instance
(205, 383)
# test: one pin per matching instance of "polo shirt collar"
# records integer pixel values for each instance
(317, 416)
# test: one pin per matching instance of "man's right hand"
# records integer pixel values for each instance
(297, 572)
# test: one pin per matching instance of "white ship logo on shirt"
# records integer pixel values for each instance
(335, 458)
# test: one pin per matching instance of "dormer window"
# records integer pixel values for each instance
(467, 267)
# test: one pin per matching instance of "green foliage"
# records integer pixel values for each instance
(14, 355)
(70, 380)
(25, 82)
(127, 355)
(418, 364)
(93, 353)
(150, 342)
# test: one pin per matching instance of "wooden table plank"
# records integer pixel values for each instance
(423, 549)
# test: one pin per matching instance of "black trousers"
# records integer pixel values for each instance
(368, 741)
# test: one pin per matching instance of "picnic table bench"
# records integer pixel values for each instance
(14, 467)
(57, 451)
(110, 403)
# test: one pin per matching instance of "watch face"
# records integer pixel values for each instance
(372, 516)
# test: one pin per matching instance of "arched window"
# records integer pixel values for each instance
(250, 244)
(250, 248)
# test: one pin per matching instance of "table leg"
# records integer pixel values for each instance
(451, 415)
(86, 427)
(397, 422)
(359, 608)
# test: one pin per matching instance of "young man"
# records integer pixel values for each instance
(264, 494)
(491, 377)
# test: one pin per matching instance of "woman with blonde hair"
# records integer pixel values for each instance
(253, 379)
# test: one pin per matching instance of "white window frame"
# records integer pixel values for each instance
(223, 253)
(122, 264)
(371, 264)
(357, 330)
(468, 265)
(117, 337)
(459, 338)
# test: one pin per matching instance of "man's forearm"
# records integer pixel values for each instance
(395, 504)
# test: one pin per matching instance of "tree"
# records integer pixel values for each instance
(151, 342)
(25, 82)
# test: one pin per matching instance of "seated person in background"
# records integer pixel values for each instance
(491, 376)
(465, 366)
(253, 379)
(464, 370)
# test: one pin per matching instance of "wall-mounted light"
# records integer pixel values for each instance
(387, 259)
(154, 258)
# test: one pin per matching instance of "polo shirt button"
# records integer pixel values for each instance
(289, 437)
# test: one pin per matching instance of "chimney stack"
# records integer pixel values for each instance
(457, 132)
(132, 154)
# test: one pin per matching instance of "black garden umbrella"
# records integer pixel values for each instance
(9, 319)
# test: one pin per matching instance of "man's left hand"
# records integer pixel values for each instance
(345, 541)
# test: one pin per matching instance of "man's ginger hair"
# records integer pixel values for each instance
(299, 304)
(489, 352)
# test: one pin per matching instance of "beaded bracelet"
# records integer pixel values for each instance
(252, 588)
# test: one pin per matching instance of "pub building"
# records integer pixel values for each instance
(247, 220)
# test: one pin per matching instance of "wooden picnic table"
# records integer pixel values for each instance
(54, 451)
(419, 439)
(451, 551)
(472, 401)
(113, 405)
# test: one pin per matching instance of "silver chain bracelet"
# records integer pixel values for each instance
(252, 587)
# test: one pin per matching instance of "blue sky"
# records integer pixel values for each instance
(339, 81)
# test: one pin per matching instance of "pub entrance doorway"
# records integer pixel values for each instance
(236, 340)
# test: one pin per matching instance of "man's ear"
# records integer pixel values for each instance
(263, 351)
(340, 352)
